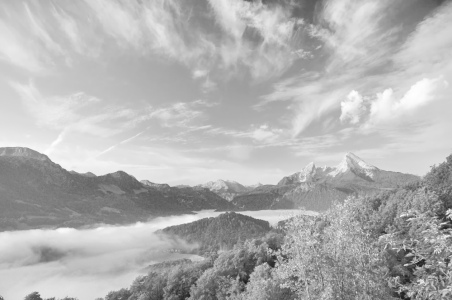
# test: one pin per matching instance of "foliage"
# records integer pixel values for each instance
(231, 271)
(426, 243)
(265, 284)
(33, 296)
(332, 257)
(122, 294)
(439, 180)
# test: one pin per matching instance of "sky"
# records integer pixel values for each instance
(184, 92)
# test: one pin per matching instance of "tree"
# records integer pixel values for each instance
(230, 272)
(122, 294)
(33, 296)
(265, 285)
(332, 257)
(426, 243)
(439, 180)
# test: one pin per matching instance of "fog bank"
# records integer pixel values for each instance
(89, 263)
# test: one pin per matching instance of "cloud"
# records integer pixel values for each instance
(71, 31)
(265, 134)
(259, 36)
(120, 143)
(427, 49)
(41, 32)
(179, 114)
(17, 51)
(352, 108)
(33, 43)
(79, 113)
(218, 38)
(362, 50)
(386, 107)
(85, 263)
(357, 32)
(56, 142)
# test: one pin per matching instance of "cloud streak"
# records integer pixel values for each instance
(245, 36)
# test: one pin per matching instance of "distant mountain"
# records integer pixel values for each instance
(314, 188)
(219, 233)
(226, 189)
(35, 192)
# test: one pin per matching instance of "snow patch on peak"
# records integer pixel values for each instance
(353, 163)
(215, 185)
(309, 167)
(307, 173)
(224, 185)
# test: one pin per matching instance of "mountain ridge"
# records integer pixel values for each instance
(227, 189)
(315, 188)
(37, 193)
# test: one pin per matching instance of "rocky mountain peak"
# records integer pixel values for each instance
(221, 184)
(352, 162)
(155, 185)
(307, 172)
(23, 152)
(120, 175)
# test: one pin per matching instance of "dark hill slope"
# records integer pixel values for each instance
(220, 233)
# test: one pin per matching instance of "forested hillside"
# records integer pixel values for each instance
(391, 245)
(220, 233)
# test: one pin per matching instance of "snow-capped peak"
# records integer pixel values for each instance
(215, 185)
(221, 184)
(307, 173)
(351, 162)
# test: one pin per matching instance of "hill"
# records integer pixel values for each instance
(219, 233)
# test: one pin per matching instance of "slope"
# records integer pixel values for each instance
(220, 233)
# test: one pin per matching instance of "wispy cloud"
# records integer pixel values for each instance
(56, 142)
(254, 37)
(121, 143)
(17, 50)
(357, 32)
(364, 51)
(79, 113)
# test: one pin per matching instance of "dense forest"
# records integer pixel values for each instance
(220, 233)
(394, 244)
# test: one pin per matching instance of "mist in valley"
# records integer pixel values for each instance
(88, 263)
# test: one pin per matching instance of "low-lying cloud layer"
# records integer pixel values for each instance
(89, 263)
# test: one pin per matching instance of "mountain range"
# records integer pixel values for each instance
(227, 189)
(36, 192)
(314, 188)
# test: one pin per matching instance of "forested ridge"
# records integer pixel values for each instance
(391, 245)
(220, 233)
